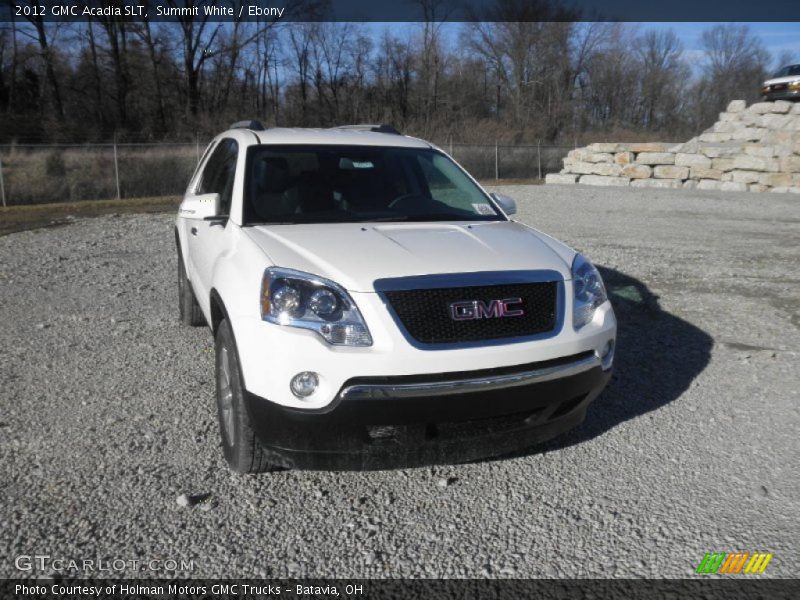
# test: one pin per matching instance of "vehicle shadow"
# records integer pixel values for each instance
(658, 356)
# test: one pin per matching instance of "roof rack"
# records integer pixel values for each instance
(252, 124)
(382, 128)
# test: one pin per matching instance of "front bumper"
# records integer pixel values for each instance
(270, 355)
(386, 422)
(785, 94)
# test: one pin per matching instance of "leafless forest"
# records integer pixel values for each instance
(518, 77)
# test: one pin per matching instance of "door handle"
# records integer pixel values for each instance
(193, 230)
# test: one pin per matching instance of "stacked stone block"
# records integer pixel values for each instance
(755, 148)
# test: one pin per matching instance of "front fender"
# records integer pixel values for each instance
(181, 247)
(236, 277)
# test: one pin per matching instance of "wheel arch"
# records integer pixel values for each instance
(180, 247)
(217, 310)
(219, 313)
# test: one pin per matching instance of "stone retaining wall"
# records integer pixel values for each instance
(755, 148)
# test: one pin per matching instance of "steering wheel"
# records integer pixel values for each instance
(403, 197)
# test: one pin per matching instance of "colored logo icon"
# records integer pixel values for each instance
(734, 562)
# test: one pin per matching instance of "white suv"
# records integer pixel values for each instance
(373, 306)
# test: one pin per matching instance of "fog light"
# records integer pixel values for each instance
(607, 356)
(304, 384)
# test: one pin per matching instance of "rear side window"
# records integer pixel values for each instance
(219, 173)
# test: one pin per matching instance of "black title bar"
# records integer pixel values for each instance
(401, 11)
(733, 588)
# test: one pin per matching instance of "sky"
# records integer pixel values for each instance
(776, 36)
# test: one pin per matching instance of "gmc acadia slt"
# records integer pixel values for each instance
(373, 306)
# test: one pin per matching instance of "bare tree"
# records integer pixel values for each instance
(96, 83)
(662, 73)
(234, 44)
(783, 58)
(116, 33)
(197, 41)
(336, 49)
(736, 61)
(528, 71)
(732, 48)
(394, 71)
(528, 47)
(612, 80)
(360, 54)
(432, 55)
(269, 82)
(41, 35)
(12, 79)
(301, 38)
(154, 52)
(4, 44)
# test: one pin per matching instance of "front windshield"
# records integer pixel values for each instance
(351, 184)
(789, 71)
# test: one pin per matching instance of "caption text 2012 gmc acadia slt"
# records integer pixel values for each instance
(373, 306)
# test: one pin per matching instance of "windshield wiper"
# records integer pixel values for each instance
(438, 217)
(382, 219)
(422, 217)
(316, 221)
(388, 219)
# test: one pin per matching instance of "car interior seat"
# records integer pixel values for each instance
(314, 193)
(272, 196)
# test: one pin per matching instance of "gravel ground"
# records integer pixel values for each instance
(109, 445)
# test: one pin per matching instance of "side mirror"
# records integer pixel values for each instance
(507, 203)
(200, 207)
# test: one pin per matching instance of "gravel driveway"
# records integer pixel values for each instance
(107, 416)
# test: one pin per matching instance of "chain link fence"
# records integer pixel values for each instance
(39, 174)
(508, 162)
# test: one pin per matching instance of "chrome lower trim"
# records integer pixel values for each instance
(464, 386)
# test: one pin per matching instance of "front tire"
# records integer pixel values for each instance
(241, 447)
(188, 308)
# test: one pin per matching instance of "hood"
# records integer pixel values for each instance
(789, 79)
(354, 255)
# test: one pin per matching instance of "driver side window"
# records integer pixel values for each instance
(219, 174)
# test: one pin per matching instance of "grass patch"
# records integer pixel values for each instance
(32, 216)
(498, 182)
(76, 173)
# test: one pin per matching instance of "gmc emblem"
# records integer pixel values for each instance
(467, 310)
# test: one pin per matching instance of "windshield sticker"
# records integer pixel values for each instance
(349, 163)
(483, 209)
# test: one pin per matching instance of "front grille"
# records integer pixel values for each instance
(426, 313)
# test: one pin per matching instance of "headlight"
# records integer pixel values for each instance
(795, 85)
(298, 299)
(589, 291)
